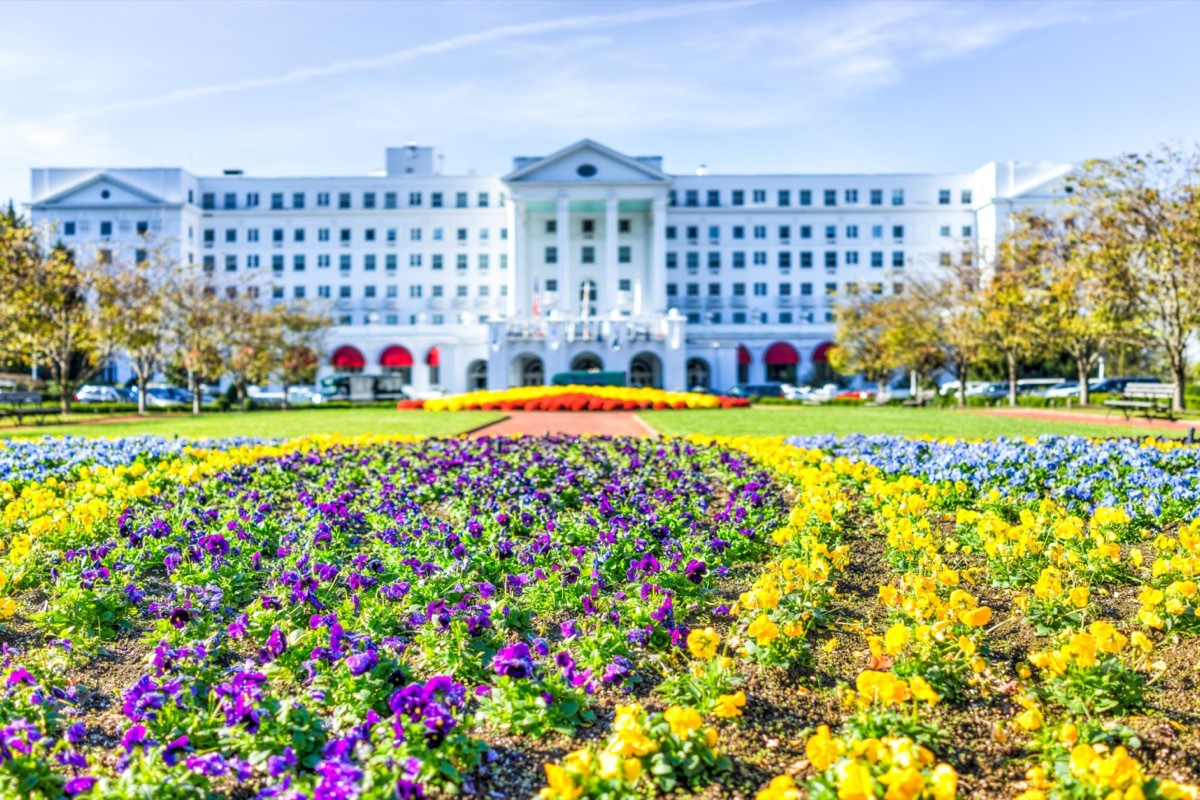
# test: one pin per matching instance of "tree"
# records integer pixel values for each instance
(952, 298)
(1013, 303)
(136, 304)
(1147, 212)
(247, 337)
(195, 327)
(297, 346)
(862, 322)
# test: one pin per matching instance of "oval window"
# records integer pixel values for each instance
(104, 194)
(586, 170)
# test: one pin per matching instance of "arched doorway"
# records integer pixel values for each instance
(743, 355)
(477, 375)
(347, 360)
(396, 360)
(821, 371)
(528, 370)
(782, 361)
(645, 370)
(586, 362)
(587, 298)
(698, 375)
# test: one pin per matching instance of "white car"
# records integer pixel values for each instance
(951, 387)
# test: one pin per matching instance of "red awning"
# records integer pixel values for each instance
(821, 354)
(396, 356)
(433, 358)
(781, 353)
(743, 355)
(347, 356)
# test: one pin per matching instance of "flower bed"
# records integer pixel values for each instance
(860, 619)
(574, 398)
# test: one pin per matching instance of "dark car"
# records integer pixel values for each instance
(756, 390)
(1117, 385)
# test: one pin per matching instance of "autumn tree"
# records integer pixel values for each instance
(861, 343)
(1013, 304)
(951, 298)
(196, 323)
(297, 344)
(1147, 221)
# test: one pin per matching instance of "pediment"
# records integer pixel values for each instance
(585, 161)
(101, 189)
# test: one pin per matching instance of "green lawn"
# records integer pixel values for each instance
(806, 420)
(275, 423)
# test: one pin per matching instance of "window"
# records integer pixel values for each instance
(297, 199)
(482, 199)
(760, 289)
(693, 290)
(760, 258)
(369, 234)
(485, 291)
(344, 235)
(230, 235)
(252, 235)
(389, 199)
(322, 234)
(714, 198)
(806, 197)
(276, 263)
(504, 234)
(344, 262)
(806, 231)
(393, 290)
(436, 261)
(551, 226)
(830, 259)
(106, 230)
(831, 197)
(944, 230)
(968, 258)
(460, 261)
(277, 235)
(435, 199)
(760, 195)
(437, 234)
(943, 197)
(230, 200)
(898, 258)
(806, 259)
(830, 233)
(460, 199)
(672, 260)
(142, 228)
(344, 291)
(368, 199)
(551, 285)
(693, 260)
(414, 259)
(877, 197)
(851, 231)
(692, 198)
(693, 318)
(503, 264)
(414, 198)
(739, 198)
(785, 197)
(830, 289)
(461, 234)
(714, 290)
(588, 255)
(966, 197)
(368, 291)
(369, 262)
(785, 259)
(785, 317)
(551, 255)
(588, 227)
(851, 196)
(323, 291)
(68, 229)
(693, 232)
(897, 197)
(944, 259)
(252, 261)
(322, 261)
(624, 226)
(483, 260)
(624, 254)
(966, 231)
(739, 231)
(714, 232)
(785, 290)
(851, 258)
(876, 258)
(208, 201)
(231, 263)
(670, 232)
(785, 233)
(739, 259)
(251, 199)
(277, 201)
(414, 291)
(897, 231)
(391, 235)
(714, 259)
(672, 289)
(739, 318)
(298, 235)
(298, 292)
(298, 263)
(209, 263)
(625, 285)
(876, 231)
(760, 231)
(343, 200)
(806, 290)
(323, 199)
(276, 292)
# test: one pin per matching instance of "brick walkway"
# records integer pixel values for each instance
(539, 423)
(1097, 419)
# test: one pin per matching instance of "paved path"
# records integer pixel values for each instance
(1096, 419)
(537, 423)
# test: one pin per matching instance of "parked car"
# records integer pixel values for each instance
(101, 394)
(1037, 387)
(164, 396)
(756, 390)
(1064, 389)
(951, 387)
(1116, 385)
(990, 391)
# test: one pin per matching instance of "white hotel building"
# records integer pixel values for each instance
(581, 259)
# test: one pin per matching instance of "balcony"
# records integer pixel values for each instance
(692, 301)
(738, 301)
(785, 301)
(713, 301)
(462, 302)
(437, 303)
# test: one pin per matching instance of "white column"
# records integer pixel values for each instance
(611, 275)
(520, 292)
(657, 273)
(566, 294)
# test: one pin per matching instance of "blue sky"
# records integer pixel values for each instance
(279, 88)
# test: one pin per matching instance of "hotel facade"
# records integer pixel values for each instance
(586, 258)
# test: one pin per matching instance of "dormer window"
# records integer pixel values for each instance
(586, 170)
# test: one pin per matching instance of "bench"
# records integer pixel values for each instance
(1149, 399)
(25, 404)
(922, 398)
